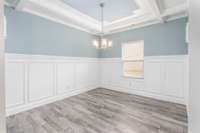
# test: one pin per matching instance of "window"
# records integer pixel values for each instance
(133, 59)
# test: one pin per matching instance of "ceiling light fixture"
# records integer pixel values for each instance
(102, 43)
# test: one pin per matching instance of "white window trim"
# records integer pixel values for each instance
(124, 59)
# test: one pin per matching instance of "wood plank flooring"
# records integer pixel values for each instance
(102, 111)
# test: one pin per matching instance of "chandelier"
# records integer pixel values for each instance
(102, 43)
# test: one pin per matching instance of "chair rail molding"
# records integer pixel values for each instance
(165, 78)
(35, 80)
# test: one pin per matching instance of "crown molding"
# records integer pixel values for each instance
(149, 23)
(49, 11)
(149, 12)
(175, 10)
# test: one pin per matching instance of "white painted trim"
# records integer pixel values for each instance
(146, 24)
(18, 109)
(187, 33)
(60, 21)
(187, 83)
(35, 8)
(57, 20)
(171, 57)
(175, 10)
(2, 71)
(147, 14)
(27, 59)
(156, 9)
(148, 94)
(24, 85)
(182, 59)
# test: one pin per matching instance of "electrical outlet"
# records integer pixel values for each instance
(68, 87)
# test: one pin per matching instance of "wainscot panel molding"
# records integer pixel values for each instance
(35, 80)
(165, 78)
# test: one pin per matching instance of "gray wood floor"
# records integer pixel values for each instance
(102, 111)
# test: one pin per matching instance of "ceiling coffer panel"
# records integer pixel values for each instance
(114, 9)
(167, 4)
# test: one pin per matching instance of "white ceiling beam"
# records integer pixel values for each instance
(129, 22)
(54, 12)
(156, 9)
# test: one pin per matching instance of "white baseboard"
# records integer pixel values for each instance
(165, 78)
(25, 107)
(147, 94)
(35, 80)
(23, 72)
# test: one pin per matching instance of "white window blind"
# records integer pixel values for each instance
(133, 59)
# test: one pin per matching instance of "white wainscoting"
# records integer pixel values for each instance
(34, 80)
(165, 78)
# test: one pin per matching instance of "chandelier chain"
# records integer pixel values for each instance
(102, 43)
(102, 18)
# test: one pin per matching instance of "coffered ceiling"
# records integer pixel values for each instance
(114, 9)
(119, 14)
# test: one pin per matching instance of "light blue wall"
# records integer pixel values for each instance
(29, 34)
(159, 39)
